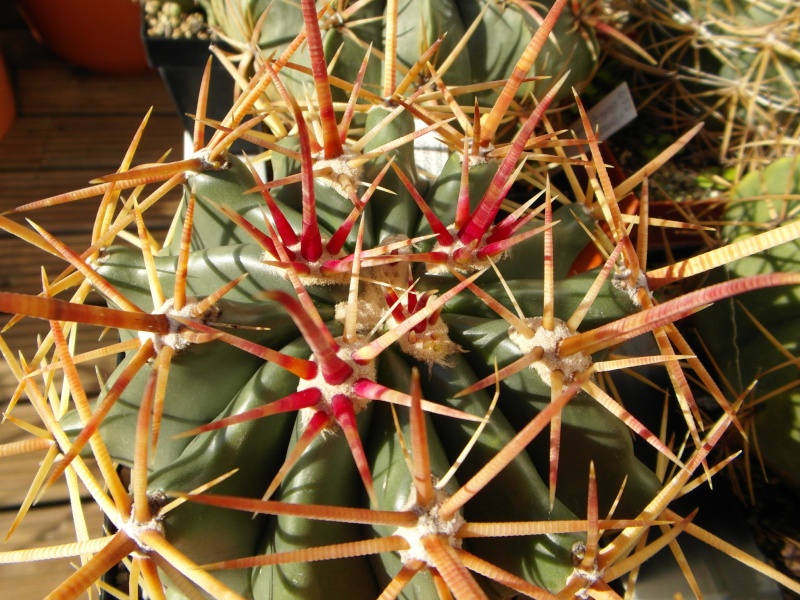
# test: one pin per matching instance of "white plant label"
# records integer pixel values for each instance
(609, 115)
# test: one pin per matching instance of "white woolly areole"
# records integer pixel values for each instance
(473, 160)
(173, 339)
(207, 164)
(429, 523)
(370, 307)
(432, 346)
(589, 576)
(621, 281)
(345, 388)
(371, 302)
(548, 341)
(133, 529)
(343, 174)
(467, 267)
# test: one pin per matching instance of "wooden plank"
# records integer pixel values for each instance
(71, 127)
(32, 184)
(23, 338)
(86, 142)
(23, 145)
(61, 90)
(20, 271)
(72, 217)
(45, 526)
(98, 142)
(19, 470)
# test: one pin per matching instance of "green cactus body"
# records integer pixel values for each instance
(451, 352)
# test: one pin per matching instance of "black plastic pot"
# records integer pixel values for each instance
(181, 63)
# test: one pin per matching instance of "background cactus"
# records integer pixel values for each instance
(270, 338)
(754, 338)
(734, 65)
(463, 54)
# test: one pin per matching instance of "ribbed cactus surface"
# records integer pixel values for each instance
(471, 43)
(212, 381)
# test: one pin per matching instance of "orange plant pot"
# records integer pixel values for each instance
(8, 108)
(100, 35)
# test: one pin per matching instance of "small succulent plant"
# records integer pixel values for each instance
(367, 358)
(175, 20)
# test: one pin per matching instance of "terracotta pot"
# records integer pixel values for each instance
(8, 109)
(100, 35)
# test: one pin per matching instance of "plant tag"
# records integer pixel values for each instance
(430, 153)
(608, 116)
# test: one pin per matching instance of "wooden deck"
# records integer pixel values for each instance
(71, 126)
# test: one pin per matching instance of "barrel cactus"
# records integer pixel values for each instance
(365, 359)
